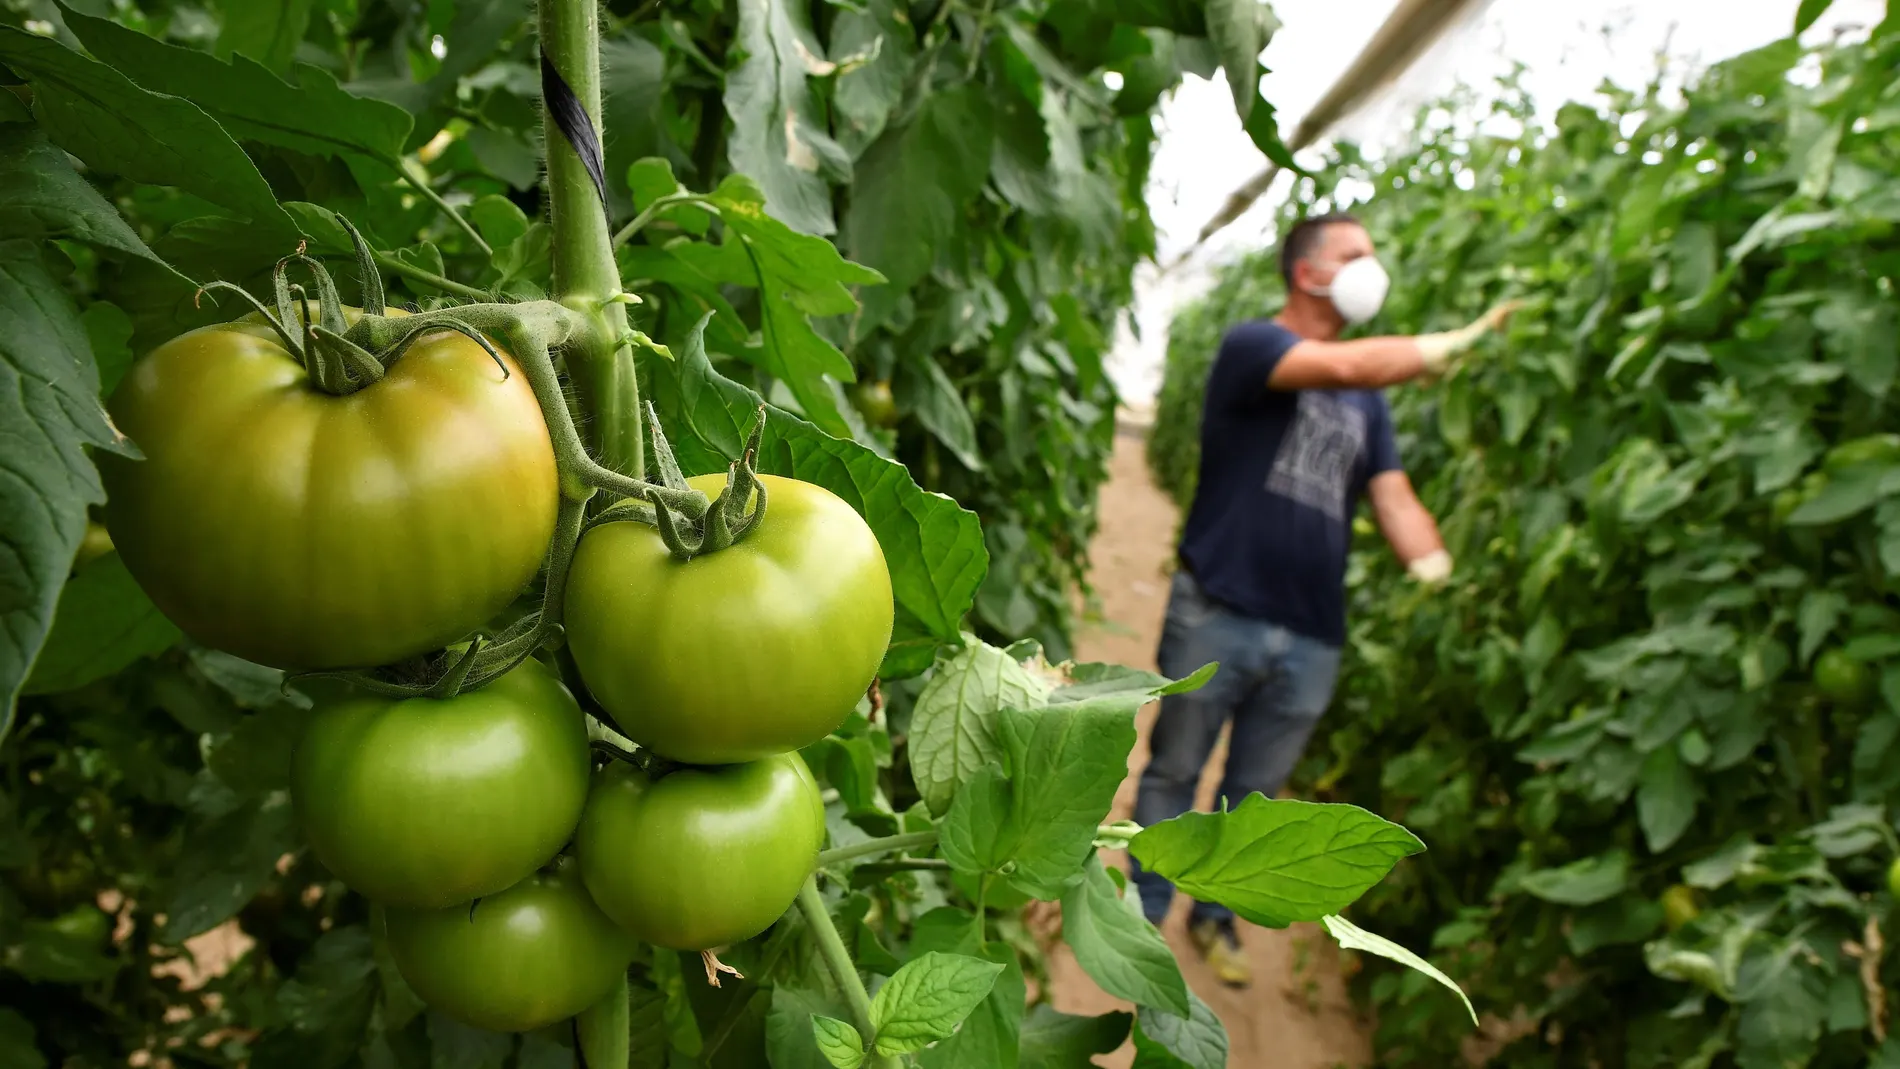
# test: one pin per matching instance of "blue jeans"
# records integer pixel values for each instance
(1272, 683)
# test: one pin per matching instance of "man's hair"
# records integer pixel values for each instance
(1299, 241)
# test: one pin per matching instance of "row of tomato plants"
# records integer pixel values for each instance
(1648, 727)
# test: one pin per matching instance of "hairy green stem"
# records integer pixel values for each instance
(659, 205)
(429, 278)
(418, 179)
(837, 959)
(585, 275)
(916, 840)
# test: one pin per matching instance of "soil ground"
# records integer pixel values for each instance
(1296, 1015)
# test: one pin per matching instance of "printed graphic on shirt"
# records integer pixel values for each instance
(1322, 444)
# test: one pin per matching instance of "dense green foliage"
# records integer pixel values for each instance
(1670, 494)
(167, 810)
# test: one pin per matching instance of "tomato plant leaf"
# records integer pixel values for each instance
(1052, 1040)
(314, 115)
(1809, 12)
(42, 196)
(1117, 946)
(1065, 763)
(104, 622)
(1240, 30)
(267, 33)
(790, 1025)
(48, 388)
(1581, 883)
(1276, 861)
(100, 116)
(953, 726)
(454, 1045)
(992, 1034)
(911, 185)
(1353, 937)
(838, 1041)
(16, 1042)
(933, 547)
(928, 998)
(777, 137)
(1166, 1040)
(1666, 798)
(870, 88)
(924, 390)
(230, 859)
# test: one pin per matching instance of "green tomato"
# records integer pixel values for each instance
(701, 857)
(535, 954)
(304, 531)
(874, 402)
(1893, 878)
(761, 648)
(425, 803)
(1679, 906)
(1842, 679)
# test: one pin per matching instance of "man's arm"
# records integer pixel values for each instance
(1408, 528)
(1362, 364)
(1372, 363)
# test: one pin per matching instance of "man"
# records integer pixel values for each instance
(1294, 430)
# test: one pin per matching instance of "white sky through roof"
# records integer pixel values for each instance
(1203, 154)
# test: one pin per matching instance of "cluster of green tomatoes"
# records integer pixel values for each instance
(314, 530)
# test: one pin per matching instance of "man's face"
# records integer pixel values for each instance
(1339, 244)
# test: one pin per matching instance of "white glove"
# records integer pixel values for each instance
(1437, 350)
(1431, 569)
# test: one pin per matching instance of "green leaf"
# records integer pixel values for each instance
(913, 183)
(1240, 30)
(51, 952)
(323, 1011)
(1052, 1040)
(790, 1024)
(953, 726)
(104, 623)
(42, 196)
(98, 115)
(109, 332)
(838, 1042)
(265, 30)
(928, 998)
(867, 93)
(1064, 763)
(1582, 883)
(1165, 1040)
(1117, 946)
(925, 390)
(225, 864)
(778, 137)
(1353, 937)
(1666, 798)
(1132, 685)
(454, 1045)
(49, 402)
(1810, 11)
(991, 1034)
(17, 1048)
(934, 548)
(798, 276)
(1847, 493)
(1276, 861)
(313, 116)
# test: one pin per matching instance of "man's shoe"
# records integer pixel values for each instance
(1221, 948)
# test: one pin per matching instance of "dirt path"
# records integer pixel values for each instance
(1296, 1015)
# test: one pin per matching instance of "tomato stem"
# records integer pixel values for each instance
(838, 960)
(586, 278)
(915, 840)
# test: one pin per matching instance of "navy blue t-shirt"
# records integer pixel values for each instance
(1281, 474)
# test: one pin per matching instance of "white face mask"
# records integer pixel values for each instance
(1358, 289)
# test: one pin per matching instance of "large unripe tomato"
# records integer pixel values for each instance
(535, 954)
(1842, 679)
(425, 803)
(306, 531)
(874, 402)
(702, 857)
(757, 649)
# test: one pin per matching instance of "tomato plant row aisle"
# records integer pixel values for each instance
(526, 687)
(1649, 728)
